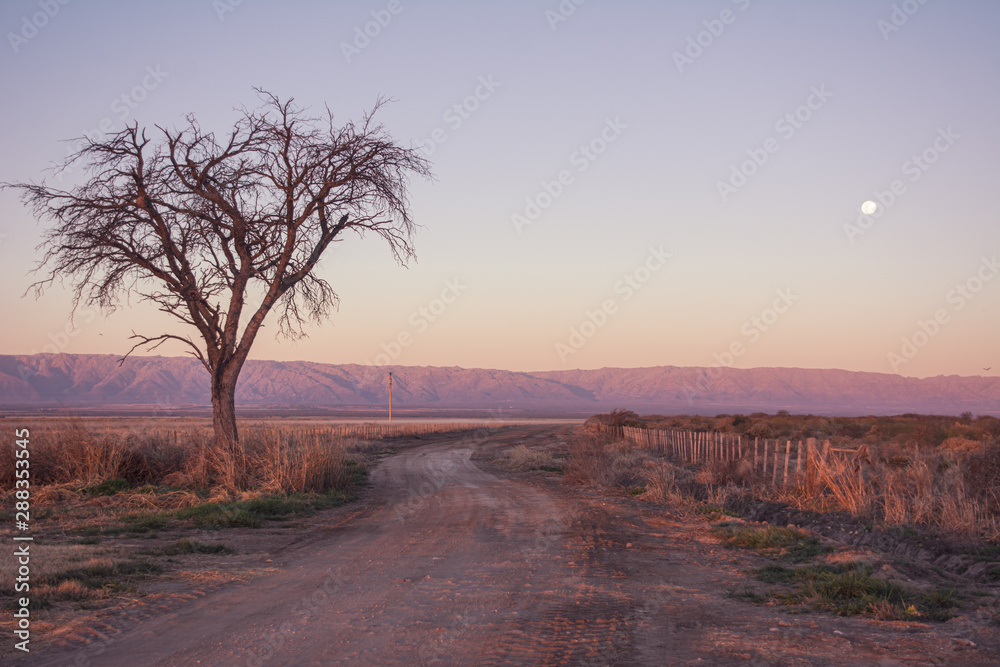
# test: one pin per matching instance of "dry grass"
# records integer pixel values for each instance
(595, 461)
(666, 483)
(73, 572)
(592, 460)
(954, 489)
(101, 461)
(955, 494)
(522, 458)
(49, 561)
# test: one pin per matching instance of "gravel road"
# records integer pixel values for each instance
(444, 562)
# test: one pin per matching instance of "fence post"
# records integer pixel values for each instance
(788, 452)
(811, 466)
(774, 470)
(798, 463)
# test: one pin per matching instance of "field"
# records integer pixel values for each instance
(135, 520)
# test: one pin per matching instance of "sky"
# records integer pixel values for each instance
(616, 184)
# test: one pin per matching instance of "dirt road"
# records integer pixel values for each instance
(444, 562)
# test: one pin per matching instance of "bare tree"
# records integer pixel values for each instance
(220, 232)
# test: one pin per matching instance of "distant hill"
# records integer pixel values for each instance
(88, 380)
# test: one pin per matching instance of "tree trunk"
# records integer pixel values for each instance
(224, 411)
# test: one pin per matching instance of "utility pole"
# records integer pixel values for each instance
(390, 395)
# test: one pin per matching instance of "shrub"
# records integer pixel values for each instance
(522, 458)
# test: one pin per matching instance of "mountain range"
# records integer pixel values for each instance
(90, 381)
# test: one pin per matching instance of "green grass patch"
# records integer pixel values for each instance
(791, 544)
(104, 575)
(748, 594)
(145, 523)
(637, 491)
(359, 474)
(35, 603)
(253, 513)
(186, 545)
(850, 590)
(108, 487)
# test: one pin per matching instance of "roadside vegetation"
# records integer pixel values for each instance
(102, 493)
(941, 473)
(522, 458)
(929, 505)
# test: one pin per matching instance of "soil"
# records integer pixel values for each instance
(449, 559)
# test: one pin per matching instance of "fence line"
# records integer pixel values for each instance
(773, 459)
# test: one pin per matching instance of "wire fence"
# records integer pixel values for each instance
(780, 462)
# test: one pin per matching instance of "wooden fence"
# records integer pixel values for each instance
(779, 462)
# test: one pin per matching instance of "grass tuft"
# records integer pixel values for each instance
(850, 590)
(789, 543)
(108, 487)
(186, 545)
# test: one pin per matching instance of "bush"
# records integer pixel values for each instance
(522, 458)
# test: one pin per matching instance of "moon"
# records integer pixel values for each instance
(869, 207)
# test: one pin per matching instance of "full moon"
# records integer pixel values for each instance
(869, 207)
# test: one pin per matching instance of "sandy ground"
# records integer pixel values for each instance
(449, 561)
